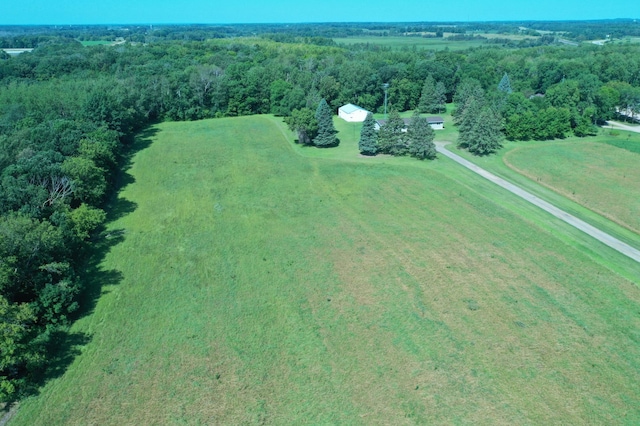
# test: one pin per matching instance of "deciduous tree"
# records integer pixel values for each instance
(304, 123)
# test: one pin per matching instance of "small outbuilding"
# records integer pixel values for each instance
(352, 113)
(380, 123)
(436, 123)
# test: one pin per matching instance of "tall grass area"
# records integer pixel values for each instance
(266, 283)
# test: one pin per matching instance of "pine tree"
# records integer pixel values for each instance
(505, 84)
(480, 128)
(440, 98)
(428, 95)
(420, 136)
(467, 120)
(469, 88)
(368, 144)
(391, 136)
(326, 131)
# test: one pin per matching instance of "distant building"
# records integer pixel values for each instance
(16, 52)
(436, 123)
(380, 123)
(352, 113)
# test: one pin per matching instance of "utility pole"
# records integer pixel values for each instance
(386, 88)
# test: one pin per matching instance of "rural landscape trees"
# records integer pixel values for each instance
(69, 115)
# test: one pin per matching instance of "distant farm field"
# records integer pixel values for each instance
(96, 42)
(403, 42)
(434, 43)
(600, 176)
(256, 282)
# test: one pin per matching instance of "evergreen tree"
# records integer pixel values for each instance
(368, 144)
(466, 121)
(434, 96)
(469, 88)
(326, 131)
(420, 136)
(428, 95)
(480, 128)
(440, 103)
(505, 84)
(392, 137)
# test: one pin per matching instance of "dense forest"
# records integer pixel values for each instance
(68, 115)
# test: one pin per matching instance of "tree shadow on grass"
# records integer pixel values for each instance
(93, 275)
(62, 345)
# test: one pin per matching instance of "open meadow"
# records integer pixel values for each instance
(254, 281)
(433, 43)
(599, 175)
(399, 42)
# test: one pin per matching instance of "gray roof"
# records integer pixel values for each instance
(383, 122)
(350, 108)
(435, 119)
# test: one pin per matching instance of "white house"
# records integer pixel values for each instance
(352, 113)
(436, 123)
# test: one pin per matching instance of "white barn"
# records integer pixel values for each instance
(352, 113)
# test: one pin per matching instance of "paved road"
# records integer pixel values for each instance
(603, 237)
(621, 126)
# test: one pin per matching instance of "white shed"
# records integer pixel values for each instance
(436, 123)
(352, 113)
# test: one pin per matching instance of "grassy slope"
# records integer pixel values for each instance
(497, 164)
(263, 283)
(597, 175)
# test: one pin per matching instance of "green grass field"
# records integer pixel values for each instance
(260, 282)
(602, 177)
(96, 43)
(398, 42)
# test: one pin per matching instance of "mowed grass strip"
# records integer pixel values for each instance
(263, 287)
(599, 176)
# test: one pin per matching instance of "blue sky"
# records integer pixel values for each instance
(22, 12)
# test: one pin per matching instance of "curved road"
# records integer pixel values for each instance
(621, 126)
(603, 237)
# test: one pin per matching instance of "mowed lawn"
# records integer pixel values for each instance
(260, 286)
(600, 176)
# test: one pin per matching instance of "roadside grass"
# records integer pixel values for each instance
(597, 175)
(263, 282)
